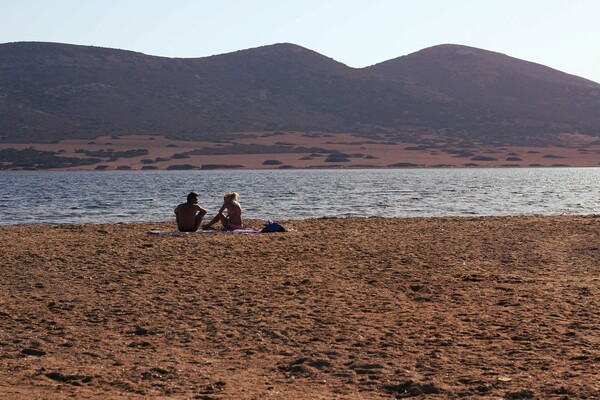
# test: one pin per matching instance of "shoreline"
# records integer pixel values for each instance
(353, 308)
(340, 168)
(257, 223)
(296, 150)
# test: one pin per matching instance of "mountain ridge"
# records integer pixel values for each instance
(54, 91)
(507, 60)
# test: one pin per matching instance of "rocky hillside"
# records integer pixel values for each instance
(52, 91)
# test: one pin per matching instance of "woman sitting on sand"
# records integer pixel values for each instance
(233, 219)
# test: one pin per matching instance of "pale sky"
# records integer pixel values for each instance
(562, 34)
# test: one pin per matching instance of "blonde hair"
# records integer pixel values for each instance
(232, 196)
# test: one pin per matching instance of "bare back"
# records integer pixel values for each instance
(186, 215)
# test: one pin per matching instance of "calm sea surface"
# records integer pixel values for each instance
(101, 197)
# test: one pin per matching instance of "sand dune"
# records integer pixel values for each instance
(505, 307)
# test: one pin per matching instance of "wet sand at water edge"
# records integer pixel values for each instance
(372, 308)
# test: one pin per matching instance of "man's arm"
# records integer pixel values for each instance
(200, 210)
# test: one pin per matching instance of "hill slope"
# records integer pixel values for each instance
(52, 91)
(501, 95)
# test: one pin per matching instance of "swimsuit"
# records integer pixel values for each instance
(235, 226)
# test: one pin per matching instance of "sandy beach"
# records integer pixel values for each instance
(373, 308)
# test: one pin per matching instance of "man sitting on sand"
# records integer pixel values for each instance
(189, 215)
(233, 219)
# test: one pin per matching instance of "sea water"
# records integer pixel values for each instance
(145, 196)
